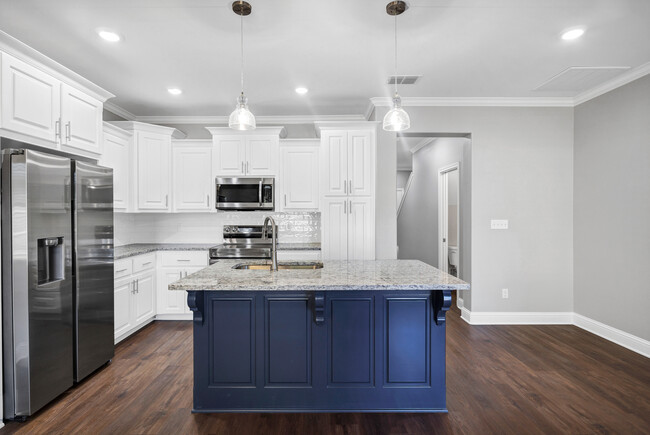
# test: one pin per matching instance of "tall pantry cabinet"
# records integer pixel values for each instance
(347, 185)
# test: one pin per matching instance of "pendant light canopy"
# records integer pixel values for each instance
(396, 119)
(242, 118)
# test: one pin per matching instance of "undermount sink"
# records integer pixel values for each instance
(281, 266)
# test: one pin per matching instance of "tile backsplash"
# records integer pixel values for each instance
(293, 227)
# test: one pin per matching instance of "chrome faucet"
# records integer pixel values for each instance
(274, 241)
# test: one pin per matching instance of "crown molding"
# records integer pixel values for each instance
(134, 126)
(369, 109)
(116, 131)
(32, 57)
(261, 120)
(119, 111)
(268, 130)
(476, 102)
(616, 82)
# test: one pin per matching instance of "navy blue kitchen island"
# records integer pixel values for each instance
(345, 338)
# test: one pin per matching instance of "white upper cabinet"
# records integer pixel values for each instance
(151, 148)
(251, 153)
(116, 155)
(81, 121)
(361, 163)
(192, 175)
(31, 100)
(153, 171)
(334, 162)
(45, 104)
(299, 175)
(229, 155)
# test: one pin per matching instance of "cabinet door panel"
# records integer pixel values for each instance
(192, 175)
(81, 118)
(261, 156)
(229, 156)
(153, 171)
(300, 178)
(288, 341)
(335, 228)
(351, 342)
(30, 100)
(360, 163)
(334, 163)
(361, 228)
(170, 302)
(122, 304)
(144, 297)
(115, 155)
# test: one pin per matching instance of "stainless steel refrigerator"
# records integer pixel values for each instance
(57, 271)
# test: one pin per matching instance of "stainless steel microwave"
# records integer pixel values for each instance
(244, 193)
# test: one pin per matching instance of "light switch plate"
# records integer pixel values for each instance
(499, 224)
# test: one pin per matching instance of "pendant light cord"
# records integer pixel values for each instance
(395, 78)
(241, 33)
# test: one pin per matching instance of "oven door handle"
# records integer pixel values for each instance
(261, 192)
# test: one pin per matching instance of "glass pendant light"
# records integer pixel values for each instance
(396, 119)
(242, 118)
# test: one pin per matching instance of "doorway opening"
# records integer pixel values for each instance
(434, 202)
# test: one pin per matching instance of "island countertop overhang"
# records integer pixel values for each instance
(404, 275)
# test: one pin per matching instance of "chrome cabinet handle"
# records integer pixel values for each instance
(137, 286)
(180, 274)
(247, 170)
(133, 287)
(260, 192)
(242, 166)
(148, 262)
(182, 259)
(345, 207)
(67, 131)
(120, 271)
(345, 187)
(285, 199)
(350, 189)
(350, 208)
(57, 130)
(207, 202)
(166, 200)
(186, 274)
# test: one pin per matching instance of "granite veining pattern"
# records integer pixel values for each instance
(335, 275)
(144, 248)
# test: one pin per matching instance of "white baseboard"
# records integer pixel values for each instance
(521, 318)
(181, 316)
(622, 338)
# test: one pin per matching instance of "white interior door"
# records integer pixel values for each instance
(445, 197)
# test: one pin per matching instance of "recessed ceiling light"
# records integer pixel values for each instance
(174, 91)
(573, 34)
(108, 35)
(301, 91)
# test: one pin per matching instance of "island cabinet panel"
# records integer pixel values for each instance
(232, 353)
(288, 342)
(311, 351)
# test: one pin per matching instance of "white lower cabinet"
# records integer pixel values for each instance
(174, 265)
(134, 294)
(348, 228)
(299, 255)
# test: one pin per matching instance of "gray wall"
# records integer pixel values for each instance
(522, 170)
(612, 208)
(110, 116)
(402, 178)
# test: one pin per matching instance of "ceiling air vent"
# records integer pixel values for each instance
(403, 80)
(577, 79)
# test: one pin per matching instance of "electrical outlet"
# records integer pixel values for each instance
(499, 224)
(504, 293)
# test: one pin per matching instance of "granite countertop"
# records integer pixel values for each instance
(335, 275)
(144, 248)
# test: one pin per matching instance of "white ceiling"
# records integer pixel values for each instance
(341, 50)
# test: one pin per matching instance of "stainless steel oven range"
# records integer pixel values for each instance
(243, 241)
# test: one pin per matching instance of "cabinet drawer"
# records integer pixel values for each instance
(184, 258)
(123, 268)
(144, 262)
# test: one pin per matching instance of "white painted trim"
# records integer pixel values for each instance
(424, 142)
(280, 119)
(119, 111)
(346, 125)
(517, 318)
(133, 330)
(610, 85)
(443, 209)
(116, 131)
(622, 338)
(406, 192)
(270, 130)
(369, 110)
(22, 51)
(150, 128)
(181, 316)
(477, 101)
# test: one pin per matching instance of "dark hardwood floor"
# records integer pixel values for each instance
(500, 379)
